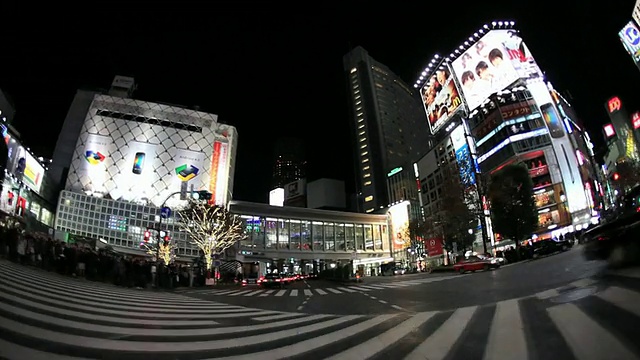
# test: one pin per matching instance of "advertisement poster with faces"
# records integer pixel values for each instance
(440, 98)
(493, 63)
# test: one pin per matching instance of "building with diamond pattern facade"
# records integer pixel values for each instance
(129, 157)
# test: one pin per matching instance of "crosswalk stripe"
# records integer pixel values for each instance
(166, 347)
(13, 351)
(359, 288)
(104, 302)
(91, 323)
(623, 298)
(346, 289)
(372, 287)
(587, 339)
(267, 293)
(240, 292)
(506, 336)
(133, 311)
(302, 347)
(89, 288)
(547, 294)
(288, 315)
(33, 283)
(307, 292)
(437, 346)
(372, 347)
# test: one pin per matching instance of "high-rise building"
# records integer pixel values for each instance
(388, 124)
(289, 162)
(507, 113)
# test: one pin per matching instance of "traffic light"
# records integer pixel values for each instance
(201, 195)
(147, 235)
(166, 240)
(616, 176)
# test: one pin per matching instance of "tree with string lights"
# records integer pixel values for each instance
(166, 250)
(212, 228)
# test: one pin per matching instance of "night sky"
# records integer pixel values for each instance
(273, 71)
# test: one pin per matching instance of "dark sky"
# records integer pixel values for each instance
(272, 70)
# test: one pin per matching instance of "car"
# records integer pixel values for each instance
(474, 263)
(275, 280)
(616, 240)
(399, 271)
(252, 280)
(549, 246)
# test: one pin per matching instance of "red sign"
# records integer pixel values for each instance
(609, 130)
(434, 246)
(614, 104)
(635, 119)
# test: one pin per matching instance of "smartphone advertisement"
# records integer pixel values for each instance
(552, 120)
(563, 150)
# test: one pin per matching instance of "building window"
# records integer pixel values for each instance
(368, 237)
(305, 230)
(349, 237)
(283, 234)
(271, 233)
(295, 235)
(329, 243)
(367, 183)
(317, 233)
(368, 198)
(340, 245)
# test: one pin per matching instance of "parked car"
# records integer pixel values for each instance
(474, 263)
(616, 240)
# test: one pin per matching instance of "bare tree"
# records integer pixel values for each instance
(211, 228)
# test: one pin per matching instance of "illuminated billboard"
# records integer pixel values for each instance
(609, 131)
(22, 164)
(630, 37)
(399, 214)
(493, 63)
(144, 152)
(440, 97)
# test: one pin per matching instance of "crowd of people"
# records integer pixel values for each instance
(82, 260)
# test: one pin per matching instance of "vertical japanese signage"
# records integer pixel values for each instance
(219, 173)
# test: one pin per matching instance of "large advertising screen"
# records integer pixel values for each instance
(440, 97)
(145, 160)
(400, 236)
(493, 63)
(22, 165)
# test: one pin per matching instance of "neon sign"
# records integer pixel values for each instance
(614, 104)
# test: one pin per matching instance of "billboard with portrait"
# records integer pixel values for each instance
(399, 214)
(493, 63)
(440, 97)
(144, 159)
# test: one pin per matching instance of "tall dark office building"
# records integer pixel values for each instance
(289, 162)
(389, 127)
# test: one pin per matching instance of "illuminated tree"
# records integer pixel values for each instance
(211, 228)
(165, 250)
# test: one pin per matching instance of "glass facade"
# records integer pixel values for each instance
(117, 223)
(304, 235)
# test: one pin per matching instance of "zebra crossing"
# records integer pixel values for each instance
(338, 290)
(46, 316)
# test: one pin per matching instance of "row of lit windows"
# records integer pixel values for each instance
(362, 135)
(293, 234)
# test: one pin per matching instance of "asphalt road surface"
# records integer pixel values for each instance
(558, 307)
